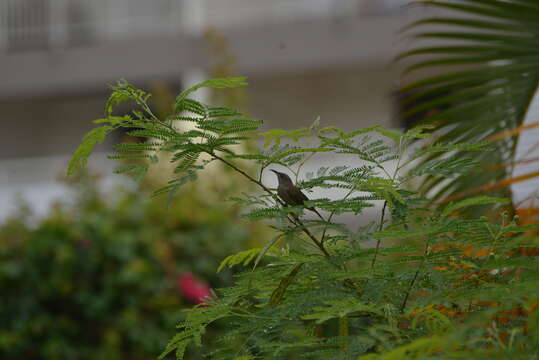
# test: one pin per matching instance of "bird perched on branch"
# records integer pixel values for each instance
(290, 193)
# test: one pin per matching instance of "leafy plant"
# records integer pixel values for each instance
(419, 283)
(485, 63)
(101, 279)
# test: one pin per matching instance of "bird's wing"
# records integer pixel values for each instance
(299, 197)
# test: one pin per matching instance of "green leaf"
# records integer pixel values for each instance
(533, 325)
(447, 167)
(243, 257)
(392, 134)
(340, 309)
(122, 92)
(115, 99)
(478, 200)
(421, 131)
(296, 151)
(418, 349)
(277, 135)
(524, 228)
(278, 294)
(127, 147)
(445, 148)
(407, 234)
(217, 83)
(352, 134)
(435, 321)
(178, 344)
(89, 141)
(114, 120)
(137, 171)
(383, 187)
(266, 248)
(174, 185)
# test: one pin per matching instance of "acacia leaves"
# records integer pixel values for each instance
(325, 291)
(90, 140)
(215, 130)
(218, 83)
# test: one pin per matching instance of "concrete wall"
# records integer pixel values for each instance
(348, 98)
(47, 126)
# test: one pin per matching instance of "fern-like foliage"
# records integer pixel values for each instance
(215, 130)
(419, 283)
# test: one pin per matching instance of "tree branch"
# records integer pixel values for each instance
(296, 221)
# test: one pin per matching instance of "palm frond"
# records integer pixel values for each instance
(486, 61)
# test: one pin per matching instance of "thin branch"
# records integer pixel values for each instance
(412, 283)
(262, 167)
(397, 168)
(259, 183)
(403, 306)
(309, 234)
(379, 166)
(379, 229)
(333, 213)
(144, 104)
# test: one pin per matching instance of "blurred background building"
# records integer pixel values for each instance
(304, 59)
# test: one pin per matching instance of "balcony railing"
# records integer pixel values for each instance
(45, 24)
(30, 25)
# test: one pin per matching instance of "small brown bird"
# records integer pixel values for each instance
(290, 193)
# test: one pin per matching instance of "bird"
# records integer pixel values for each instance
(290, 193)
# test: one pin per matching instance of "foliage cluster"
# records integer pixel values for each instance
(422, 282)
(473, 74)
(98, 279)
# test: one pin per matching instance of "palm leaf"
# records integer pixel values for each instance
(486, 61)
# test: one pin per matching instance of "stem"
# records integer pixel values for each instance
(296, 221)
(412, 283)
(344, 330)
(262, 167)
(144, 105)
(333, 213)
(403, 306)
(259, 183)
(379, 229)
(384, 170)
(397, 168)
(313, 238)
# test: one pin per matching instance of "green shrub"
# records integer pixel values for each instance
(420, 283)
(99, 279)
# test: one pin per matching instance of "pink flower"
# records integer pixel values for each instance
(193, 290)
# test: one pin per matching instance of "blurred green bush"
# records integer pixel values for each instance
(98, 279)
